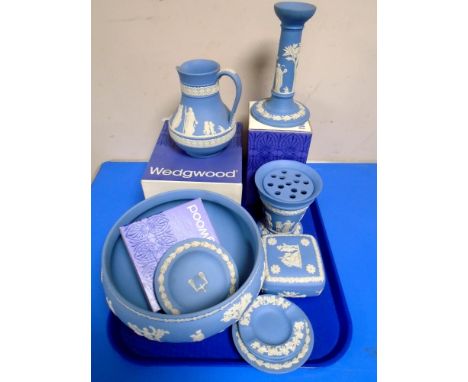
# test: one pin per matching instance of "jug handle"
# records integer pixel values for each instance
(237, 81)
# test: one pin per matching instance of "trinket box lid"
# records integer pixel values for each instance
(274, 335)
(294, 266)
(193, 275)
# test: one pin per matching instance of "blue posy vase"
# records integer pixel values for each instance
(287, 188)
(202, 125)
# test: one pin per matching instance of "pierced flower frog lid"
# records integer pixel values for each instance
(288, 183)
(274, 335)
(193, 275)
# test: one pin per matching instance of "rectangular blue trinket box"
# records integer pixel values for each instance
(294, 266)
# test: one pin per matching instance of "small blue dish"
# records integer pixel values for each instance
(273, 328)
(294, 266)
(274, 335)
(193, 275)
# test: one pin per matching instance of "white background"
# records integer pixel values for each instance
(45, 156)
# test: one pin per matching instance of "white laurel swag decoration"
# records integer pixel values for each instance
(263, 300)
(236, 310)
(287, 293)
(277, 117)
(200, 91)
(276, 365)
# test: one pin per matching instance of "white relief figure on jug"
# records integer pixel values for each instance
(190, 122)
(208, 128)
(177, 117)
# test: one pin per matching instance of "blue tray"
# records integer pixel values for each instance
(328, 314)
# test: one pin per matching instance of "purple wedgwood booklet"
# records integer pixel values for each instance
(148, 239)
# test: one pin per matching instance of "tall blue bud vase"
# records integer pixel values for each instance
(281, 109)
(279, 126)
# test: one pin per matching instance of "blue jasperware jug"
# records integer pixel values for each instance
(202, 125)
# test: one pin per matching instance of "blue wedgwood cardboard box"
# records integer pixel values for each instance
(170, 168)
(268, 143)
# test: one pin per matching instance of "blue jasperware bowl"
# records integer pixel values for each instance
(236, 231)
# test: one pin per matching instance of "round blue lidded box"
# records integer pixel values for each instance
(237, 232)
(193, 275)
(274, 335)
(294, 266)
(287, 188)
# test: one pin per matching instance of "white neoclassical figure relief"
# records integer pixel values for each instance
(292, 255)
(208, 128)
(190, 122)
(279, 77)
(284, 227)
(177, 117)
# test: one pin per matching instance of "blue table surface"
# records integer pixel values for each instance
(348, 208)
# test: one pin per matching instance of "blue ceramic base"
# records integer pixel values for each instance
(270, 113)
(332, 327)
